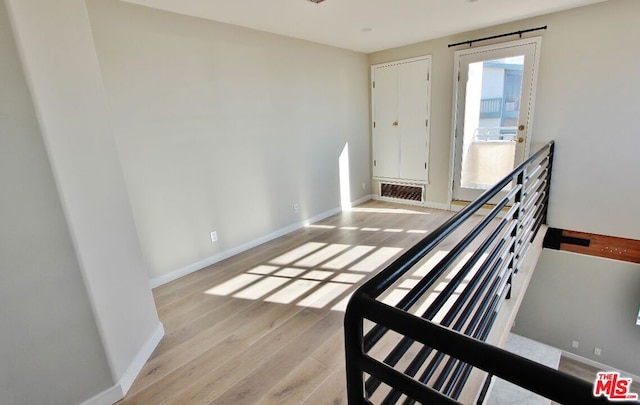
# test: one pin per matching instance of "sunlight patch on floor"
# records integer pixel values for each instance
(289, 272)
(320, 226)
(324, 275)
(376, 259)
(234, 284)
(263, 269)
(370, 229)
(348, 257)
(348, 278)
(324, 295)
(314, 275)
(292, 292)
(297, 253)
(322, 255)
(261, 288)
(429, 263)
(389, 211)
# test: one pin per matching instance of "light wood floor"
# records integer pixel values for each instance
(266, 325)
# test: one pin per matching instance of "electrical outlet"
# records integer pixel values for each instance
(575, 344)
(364, 185)
(597, 351)
(296, 208)
(214, 236)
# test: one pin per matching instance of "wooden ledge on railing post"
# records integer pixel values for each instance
(610, 247)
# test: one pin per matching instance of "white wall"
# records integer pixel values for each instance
(587, 100)
(50, 348)
(591, 300)
(492, 82)
(224, 128)
(56, 48)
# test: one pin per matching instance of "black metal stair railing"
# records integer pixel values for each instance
(407, 356)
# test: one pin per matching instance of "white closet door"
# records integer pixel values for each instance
(412, 121)
(386, 131)
(400, 114)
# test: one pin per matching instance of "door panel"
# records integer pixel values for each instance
(493, 112)
(386, 135)
(413, 104)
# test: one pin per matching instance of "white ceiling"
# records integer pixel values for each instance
(346, 23)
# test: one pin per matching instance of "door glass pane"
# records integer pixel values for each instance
(492, 108)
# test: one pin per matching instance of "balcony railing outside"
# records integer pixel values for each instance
(501, 134)
(491, 107)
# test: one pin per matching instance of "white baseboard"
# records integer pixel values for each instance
(107, 397)
(599, 366)
(141, 359)
(361, 200)
(164, 279)
(118, 391)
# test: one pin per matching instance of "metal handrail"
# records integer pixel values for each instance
(459, 337)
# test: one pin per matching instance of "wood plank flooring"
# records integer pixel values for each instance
(265, 327)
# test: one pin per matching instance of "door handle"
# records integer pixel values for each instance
(519, 139)
(395, 123)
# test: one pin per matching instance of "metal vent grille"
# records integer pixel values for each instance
(401, 191)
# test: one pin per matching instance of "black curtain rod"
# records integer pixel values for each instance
(470, 42)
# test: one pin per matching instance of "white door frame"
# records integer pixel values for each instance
(456, 66)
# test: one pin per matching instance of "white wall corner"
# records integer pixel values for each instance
(107, 397)
(118, 391)
(362, 200)
(86, 170)
(126, 381)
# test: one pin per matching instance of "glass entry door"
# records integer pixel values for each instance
(493, 112)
